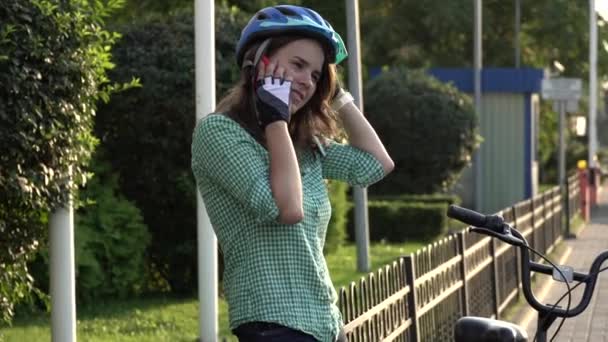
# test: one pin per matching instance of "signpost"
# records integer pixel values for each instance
(565, 93)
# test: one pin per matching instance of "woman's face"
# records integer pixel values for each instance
(303, 61)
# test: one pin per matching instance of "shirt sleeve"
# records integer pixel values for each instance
(351, 165)
(228, 156)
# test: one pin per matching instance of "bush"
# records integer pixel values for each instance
(340, 205)
(53, 61)
(548, 146)
(148, 131)
(429, 129)
(110, 241)
(403, 220)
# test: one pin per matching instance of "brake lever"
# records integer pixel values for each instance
(505, 236)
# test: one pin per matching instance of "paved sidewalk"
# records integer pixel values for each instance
(592, 324)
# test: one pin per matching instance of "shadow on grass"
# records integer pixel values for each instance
(100, 309)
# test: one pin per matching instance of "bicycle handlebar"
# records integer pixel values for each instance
(494, 225)
(473, 218)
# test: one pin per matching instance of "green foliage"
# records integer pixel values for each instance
(429, 129)
(404, 220)
(110, 240)
(548, 146)
(602, 126)
(148, 131)
(53, 62)
(336, 231)
(433, 33)
(228, 24)
(417, 33)
(426, 198)
(15, 284)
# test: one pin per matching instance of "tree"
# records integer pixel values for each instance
(428, 127)
(440, 34)
(436, 33)
(148, 131)
(53, 63)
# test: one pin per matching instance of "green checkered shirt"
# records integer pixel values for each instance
(273, 272)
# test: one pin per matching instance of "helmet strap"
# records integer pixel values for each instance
(256, 59)
(258, 54)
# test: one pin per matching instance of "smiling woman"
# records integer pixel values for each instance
(261, 162)
(299, 62)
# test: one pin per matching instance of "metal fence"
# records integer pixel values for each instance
(419, 297)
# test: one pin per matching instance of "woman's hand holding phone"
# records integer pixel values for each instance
(273, 88)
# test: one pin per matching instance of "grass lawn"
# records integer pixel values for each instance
(171, 319)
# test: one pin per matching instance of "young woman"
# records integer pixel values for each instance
(261, 162)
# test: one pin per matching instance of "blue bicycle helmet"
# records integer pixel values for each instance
(286, 19)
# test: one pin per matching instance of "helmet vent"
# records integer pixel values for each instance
(286, 11)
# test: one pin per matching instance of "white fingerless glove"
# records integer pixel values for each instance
(272, 100)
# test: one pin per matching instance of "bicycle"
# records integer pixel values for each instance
(480, 329)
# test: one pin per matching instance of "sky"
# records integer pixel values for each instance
(601, 6)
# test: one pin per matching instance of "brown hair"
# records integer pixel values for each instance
(315, 118)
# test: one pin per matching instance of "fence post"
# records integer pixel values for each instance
(495, 277)
(558, 230)
(517, 250)
(566, 209)
(533, 240)
(464, 298)
(410, 277)
(557, 233)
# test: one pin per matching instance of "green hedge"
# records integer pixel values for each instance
(53, 61)
(433, 198)
(400, 220)
(340, 206)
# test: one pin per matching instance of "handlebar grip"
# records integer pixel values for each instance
(476, 219)
(467, 216)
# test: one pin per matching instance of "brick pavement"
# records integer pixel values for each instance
(592, 324)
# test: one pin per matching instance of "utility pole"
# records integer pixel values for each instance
(477, 63)
(517, 29)
(204, 61)
(592, 83)
(355, 87)
(63, 271)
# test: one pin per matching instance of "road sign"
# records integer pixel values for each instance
(562, 88)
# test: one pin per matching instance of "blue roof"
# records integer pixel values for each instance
(493, 80)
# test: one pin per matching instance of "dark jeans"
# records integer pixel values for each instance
(271, 332)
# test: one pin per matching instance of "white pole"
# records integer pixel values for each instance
(477, 64)
(204, 51)
(592, 83)
(517, 32)
(62, 274)
(561, 161)
(355, 87)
